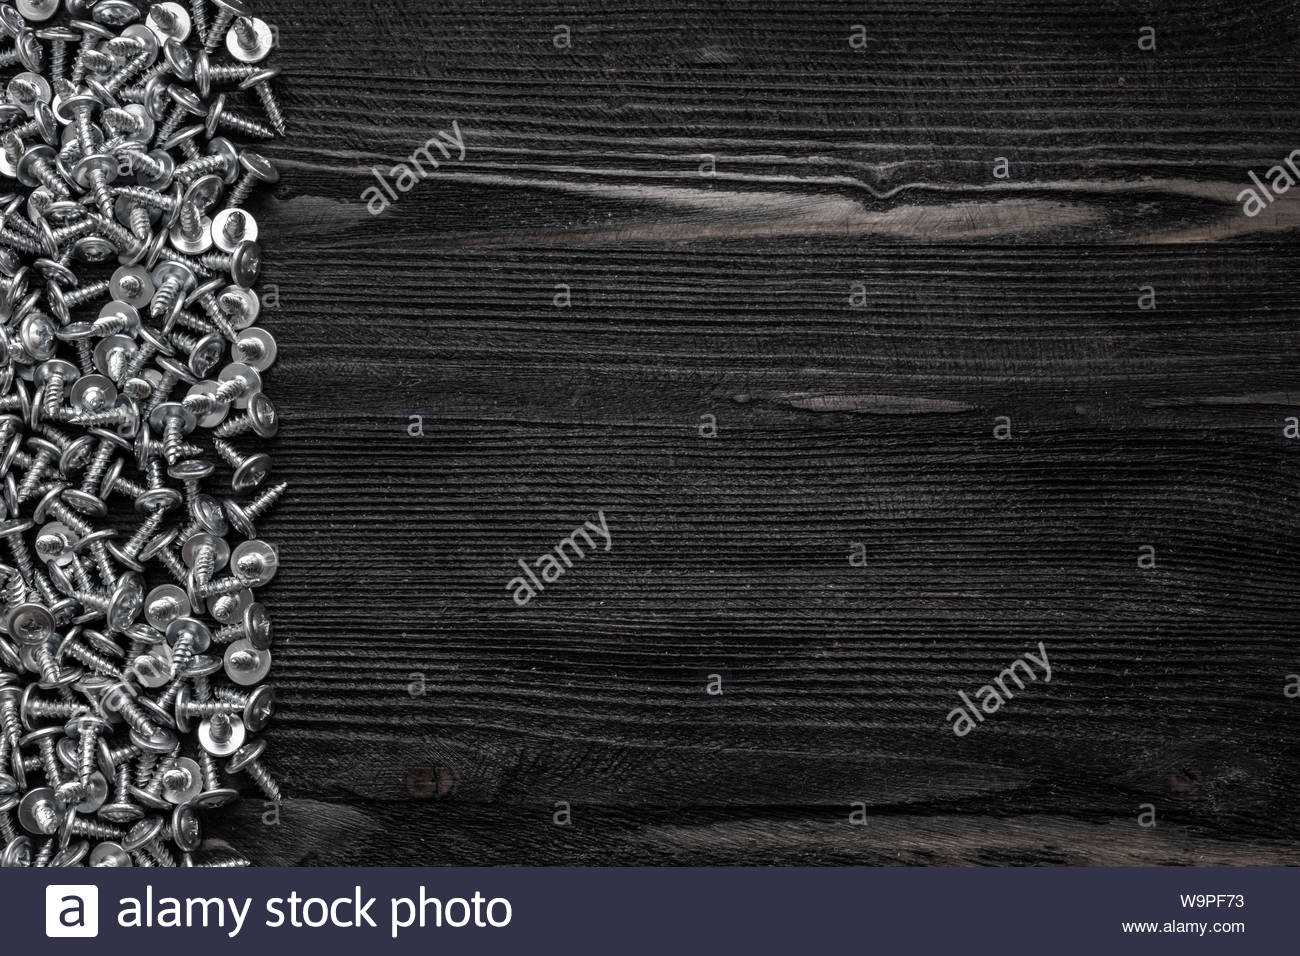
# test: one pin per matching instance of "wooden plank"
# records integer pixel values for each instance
(735, 296)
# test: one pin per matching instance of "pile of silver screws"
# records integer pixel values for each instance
(133, 654)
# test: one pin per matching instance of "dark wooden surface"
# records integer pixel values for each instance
(728, 295)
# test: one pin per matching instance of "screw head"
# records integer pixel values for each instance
(220, 549)
(257, 626)
(191, 469)
(263, 42)
(165, 604)
(246, 263)
(212, 799)
(222, 748)
(183, 782)
(255, 164)
(162, 741)
(170, 22)
(260, 708)
(18, 853)
(186, 831)
(29, 623)
(153, 668)
(256, 348)
(245, 755)
(109, 853)
(250, 375)
(195, 631)
(40, 812)
(142, 834)
(245, 664)
(126, 601)
(159, 417)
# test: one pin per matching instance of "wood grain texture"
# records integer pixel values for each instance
(729, 295)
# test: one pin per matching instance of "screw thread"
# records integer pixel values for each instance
(47, 820)
(86, 756)
(182, 655)
(162, 856)
(148, 528)
(217, 31)
(231, 73)
(53, 394)
(173, 689)
(199, 17)
(111, 325)
(191, 220)
(125, 486)
(121, 782)
(271, 107)
(133, 68)
(57, 709)
(170, 124)
(50, 672)
(165, 297)
(265, 501)
(86, 293)
(144, 769)
(50, 763)
(216, 316)
(22, 558)
(85, 133)
(245, 32)
(33, 477)
(134, 716)
(235, 228)
(103, 195)
(212, 708)
(110, 418)
(22, 243)
(118, 235)
(225, 586)
(139, 358)
(65, 234)
(246, 125)
(147, 197)
(173, 438)
(235, 426)
(224, 449)
(167, 558)
(96, 662)
(243, 189)
(58, 58)
(139, 222)
(264, 781)
(99, 831)
(150, 166)
(208, 768)
(195, 168)
(98, 466)
(9, 722)
(50, 179)
(205, 564)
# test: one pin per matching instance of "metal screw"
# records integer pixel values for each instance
(112, 150)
